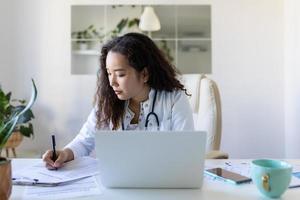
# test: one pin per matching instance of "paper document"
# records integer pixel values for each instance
(84, 187)
(38, 174)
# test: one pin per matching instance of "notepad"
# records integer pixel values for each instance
(38, 174)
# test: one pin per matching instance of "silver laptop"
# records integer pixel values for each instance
(145, 159)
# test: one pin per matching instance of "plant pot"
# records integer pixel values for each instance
(5, 177)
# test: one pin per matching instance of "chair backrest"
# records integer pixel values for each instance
(206, 105)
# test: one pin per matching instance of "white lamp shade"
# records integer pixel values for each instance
(149, 20)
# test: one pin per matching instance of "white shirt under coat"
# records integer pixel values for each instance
(172, 108)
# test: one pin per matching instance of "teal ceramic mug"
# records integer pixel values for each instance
(272, 177)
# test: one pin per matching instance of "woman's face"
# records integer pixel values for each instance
(127, 82)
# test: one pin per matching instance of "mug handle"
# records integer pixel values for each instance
(265, 182)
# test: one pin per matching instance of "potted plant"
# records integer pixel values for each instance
(23, 127)
(125, 25)
(84, 37)
(8, 123)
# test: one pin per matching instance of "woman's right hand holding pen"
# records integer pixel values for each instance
(62, 156)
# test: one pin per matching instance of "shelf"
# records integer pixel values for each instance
(86, 40)
(181, 39)
(86, 52)
(184, 37)
(155, 39)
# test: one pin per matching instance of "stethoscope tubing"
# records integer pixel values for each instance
(149, 114)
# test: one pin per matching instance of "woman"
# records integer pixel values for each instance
(137, 90)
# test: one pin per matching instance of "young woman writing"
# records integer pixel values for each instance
(137, 89)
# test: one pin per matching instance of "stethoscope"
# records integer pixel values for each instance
(149, 114)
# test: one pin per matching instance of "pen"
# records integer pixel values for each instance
(54, 157)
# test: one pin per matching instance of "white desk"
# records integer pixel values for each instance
(211, 189)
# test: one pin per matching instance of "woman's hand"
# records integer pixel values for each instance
(62, 157)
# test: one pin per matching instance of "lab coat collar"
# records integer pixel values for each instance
(146, 106)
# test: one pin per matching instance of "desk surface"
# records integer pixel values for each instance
(210, 189)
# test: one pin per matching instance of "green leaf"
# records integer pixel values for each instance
(21, 101)
(27, 116)
(122, 24)
(4, 101)
(90, 27)
(133, 22)
(26, 130)
(8, 95)
(6, 131)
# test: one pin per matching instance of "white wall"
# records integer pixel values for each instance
(6, 68)
(292, 78)
(247, 53)
(247, 64)
(41, 48)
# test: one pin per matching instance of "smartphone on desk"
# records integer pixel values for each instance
(226, 175)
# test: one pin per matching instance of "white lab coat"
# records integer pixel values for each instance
(172, 108)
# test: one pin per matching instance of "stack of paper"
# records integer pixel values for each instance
(74, 179)
(83, 187)
(38, 174)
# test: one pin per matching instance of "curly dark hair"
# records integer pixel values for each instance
(141, 52)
